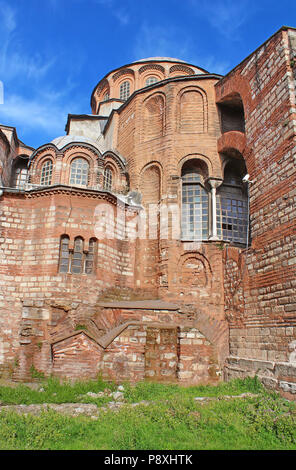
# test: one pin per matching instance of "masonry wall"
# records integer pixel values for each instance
(32, 225)
(260, 282)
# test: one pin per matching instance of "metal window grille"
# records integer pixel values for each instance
(79, 172)
(232, 214)
(195, 208)
(64, 255)
(108, 179)
(151, 80)
(77, 258)
(124, 90)
(46, 173)
(90, 257)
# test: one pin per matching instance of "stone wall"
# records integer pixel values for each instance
(260, 284)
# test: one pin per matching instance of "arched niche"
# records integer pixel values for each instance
(153, 117)
(192, 111)
(231, 113)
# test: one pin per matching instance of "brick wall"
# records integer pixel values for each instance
(260, 282)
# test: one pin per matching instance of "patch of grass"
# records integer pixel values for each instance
(153, 390)
(173, 420)
(80, 327)
(55, 391)
(36, 374)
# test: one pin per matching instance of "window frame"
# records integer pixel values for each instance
(198, 210)
(74, 172)
(125, 90)
(46, 174)
(150, 78)
(108, 179)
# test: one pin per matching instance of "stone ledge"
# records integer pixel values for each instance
(140, 304)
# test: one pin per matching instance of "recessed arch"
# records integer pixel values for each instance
(153, 117)
(192, 111)
(196, 156)
(19, 172)
(150, 184)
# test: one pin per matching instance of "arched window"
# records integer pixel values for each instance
(46, 173)
(151, 80)
(195, 202)
(106, 96)
(90, 256)
(64, 254)
(79, 172)
(232, 206)
(108, 179)
(77, 260)
(124, 90)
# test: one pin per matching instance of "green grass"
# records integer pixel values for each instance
(174, 421)
(54, 392)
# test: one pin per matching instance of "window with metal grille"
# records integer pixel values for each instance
(124, 90)
(46, 173)
(64, 255)
(79, 172)
(77, 258)
(195, 206)
(90, 257)
(232, 209)
(151, 80)
(108, 179)
(106, 96)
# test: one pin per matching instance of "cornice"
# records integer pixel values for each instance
(79, 192)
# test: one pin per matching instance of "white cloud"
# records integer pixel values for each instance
(159, 41)
(226, 16)
(13, 61)
(8, 17)
(119, 11)
(47, 115)
(31, 103)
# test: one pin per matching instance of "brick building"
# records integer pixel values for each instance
(156, 239)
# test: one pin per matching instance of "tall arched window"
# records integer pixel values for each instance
(124, 90)
(108, 179)
(151, 80)
(90, 256)
(195, 202)
(79, 172)
(64, 254)
(77, 259)
(232, 206)
(46, 173)
(106, 96)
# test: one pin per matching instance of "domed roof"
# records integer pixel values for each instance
(63, 140)
(165, 59)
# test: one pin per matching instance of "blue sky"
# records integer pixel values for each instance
(53, 53)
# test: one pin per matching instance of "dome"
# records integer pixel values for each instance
(164, 59)
(63, 140)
